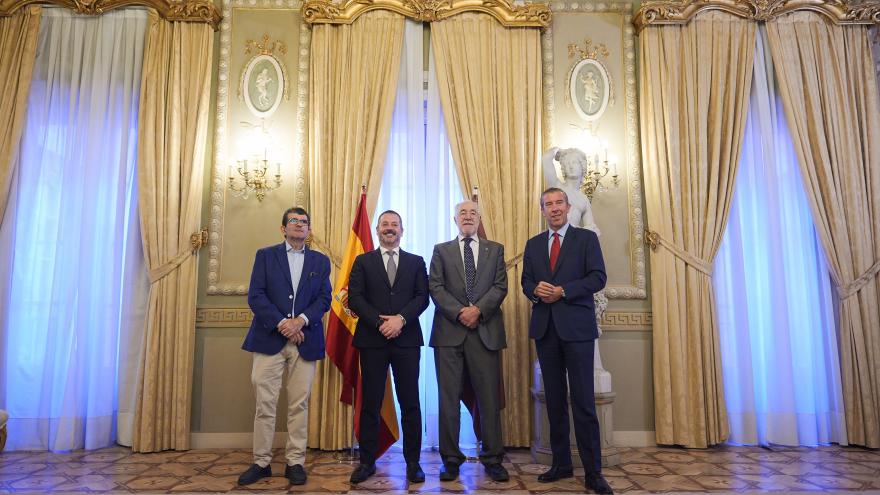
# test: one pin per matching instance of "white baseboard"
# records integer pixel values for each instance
(634, 439)
(245, 440)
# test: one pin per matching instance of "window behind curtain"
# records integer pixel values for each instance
(773, 291)
(73, 287)
(420, 182)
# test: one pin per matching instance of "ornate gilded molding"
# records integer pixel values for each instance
(507, 13)
(170, 10)
(223, 317)
(637, 288)
(222, 126)
(627, 321)
(681, 12)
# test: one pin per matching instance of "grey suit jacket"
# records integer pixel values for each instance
(447, 286)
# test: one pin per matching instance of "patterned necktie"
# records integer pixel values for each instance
(554, 251)
(392, 267)
(470, 269)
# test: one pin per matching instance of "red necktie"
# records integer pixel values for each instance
(554, 251)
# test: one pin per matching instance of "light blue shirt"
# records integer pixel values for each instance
(561, 232)
(295, 260)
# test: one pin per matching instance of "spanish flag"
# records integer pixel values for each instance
(341, 325)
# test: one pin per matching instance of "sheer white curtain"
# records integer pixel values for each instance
(74, 283)
(773, 289)
(421, 184)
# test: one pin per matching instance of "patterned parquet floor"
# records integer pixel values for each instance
(657, 469)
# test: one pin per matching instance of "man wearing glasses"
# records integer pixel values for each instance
(289, 294)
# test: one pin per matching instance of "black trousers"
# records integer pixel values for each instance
(404, 362)
(574, 359)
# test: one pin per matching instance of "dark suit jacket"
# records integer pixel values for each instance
(271, 297)
(370, 295)
(449, 292)
(580, 270)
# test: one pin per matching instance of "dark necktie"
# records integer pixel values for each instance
(391, 267)
(554, 251)
(470, 269)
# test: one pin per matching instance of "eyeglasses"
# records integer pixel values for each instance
(303, 222)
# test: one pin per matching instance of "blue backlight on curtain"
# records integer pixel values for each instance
(420, 182)
(773, 291)
(67, 284)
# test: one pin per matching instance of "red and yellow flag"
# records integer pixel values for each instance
(341, 326)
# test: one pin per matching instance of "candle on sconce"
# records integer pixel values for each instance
(277, 168)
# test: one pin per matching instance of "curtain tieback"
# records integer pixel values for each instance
(512, 262)
(196, 241)
(654, 240)
(858, 284)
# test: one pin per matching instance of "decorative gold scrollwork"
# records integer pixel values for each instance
(658, 12)
(199, 239)
(171, 10)
(508, 14)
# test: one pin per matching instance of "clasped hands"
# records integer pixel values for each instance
(548, 293)
(292, 329)
(469, 316)
(391, 326)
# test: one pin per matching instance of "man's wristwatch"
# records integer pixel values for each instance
(563, 292)
(402, 319)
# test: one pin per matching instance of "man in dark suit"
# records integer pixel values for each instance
(468, 282)
(289, 294)
(562, 269)
(388, 290)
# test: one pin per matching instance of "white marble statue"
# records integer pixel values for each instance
(573, 163)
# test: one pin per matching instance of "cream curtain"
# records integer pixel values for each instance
(829, 92)
(695, 82)
(352, 87)
(172, 133)
(18, 47)
(489, 78)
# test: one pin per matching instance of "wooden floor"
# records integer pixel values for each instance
(723, 469)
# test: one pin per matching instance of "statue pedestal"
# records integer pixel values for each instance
(541, 450)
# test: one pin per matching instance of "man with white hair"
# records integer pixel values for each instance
(468, 282)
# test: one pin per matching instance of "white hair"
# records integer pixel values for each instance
(459, 205)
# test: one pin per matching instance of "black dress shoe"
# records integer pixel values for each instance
(496, 472)
(556, 473)
(449, 472)
(362, 472)
(595, 482)
(254, 474)
(295, 474)
(414, 473)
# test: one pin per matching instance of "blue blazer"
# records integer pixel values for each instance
(580, 270)
(271, 298)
